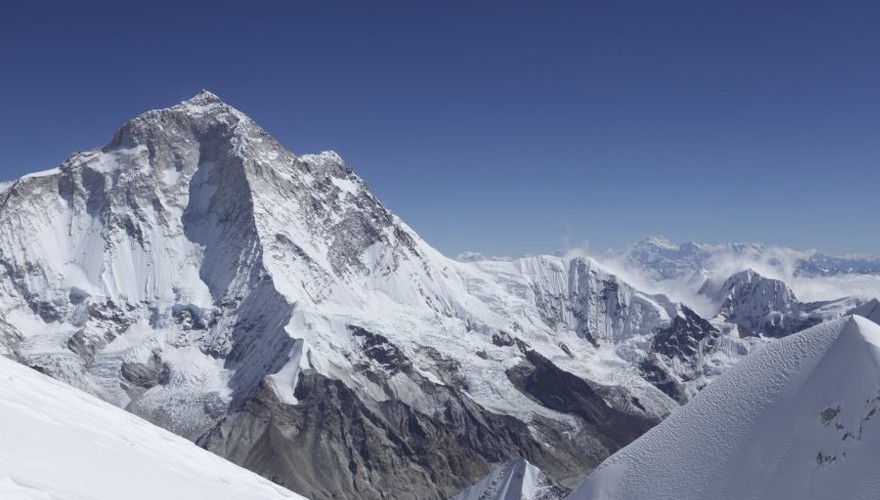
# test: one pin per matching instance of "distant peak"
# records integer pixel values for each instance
(773, 286)
(659, 241)
(747, 274)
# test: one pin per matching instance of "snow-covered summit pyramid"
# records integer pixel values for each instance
(754, 303)
(798, 419)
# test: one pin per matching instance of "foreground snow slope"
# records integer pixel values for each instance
(60, 443)
(797, 419)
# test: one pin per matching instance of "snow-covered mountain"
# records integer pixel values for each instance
(766, 306)
(268, 306)
(515, 480)
(198, 274)
(59, 443)
(798, 419)
(664, 260)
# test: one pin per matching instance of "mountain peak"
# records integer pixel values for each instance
(757, 304)
(204, 100)
(205, 96)
(747, 275)
(657, 241)
(197, 117)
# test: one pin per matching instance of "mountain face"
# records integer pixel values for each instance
(765, 306)
(797, 419)
(665, 260)
(267, 306)
(59, 443)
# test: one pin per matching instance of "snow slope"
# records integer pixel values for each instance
(62, 444)
(798, 419)
(514, 480)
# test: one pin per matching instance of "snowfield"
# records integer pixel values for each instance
(795, 420)
(59, 443)
(515, 480)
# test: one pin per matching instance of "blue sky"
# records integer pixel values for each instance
(505, 127)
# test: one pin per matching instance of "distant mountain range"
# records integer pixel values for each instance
(663, 259)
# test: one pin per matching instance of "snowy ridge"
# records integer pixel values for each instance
(59, 443)
(514, 480)
(797, 419)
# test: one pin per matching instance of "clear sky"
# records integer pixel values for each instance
(506, 127)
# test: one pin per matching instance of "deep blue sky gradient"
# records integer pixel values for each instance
(506, 127)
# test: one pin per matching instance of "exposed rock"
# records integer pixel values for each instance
(145, 374)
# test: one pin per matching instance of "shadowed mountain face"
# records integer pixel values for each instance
(335, 444)
(267, 305)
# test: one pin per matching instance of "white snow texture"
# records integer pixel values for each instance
(515, 480)
(795, 420)
(59, 443)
